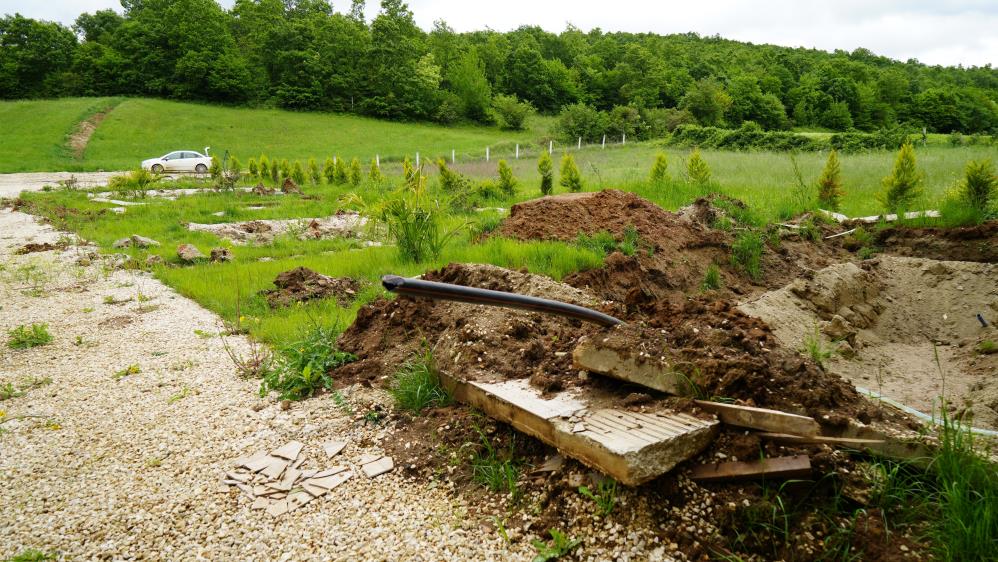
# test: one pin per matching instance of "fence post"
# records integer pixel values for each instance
(550, 147)
(517, 151)
(453, 154)
(334, 159)
(417, 159)
(486, 154)
(623, 140)
(377, 160)
(604, 143)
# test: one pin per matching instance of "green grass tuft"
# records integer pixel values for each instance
(746, 253)
(417, 386)
(25, 337)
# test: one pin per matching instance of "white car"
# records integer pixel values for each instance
(179, 161)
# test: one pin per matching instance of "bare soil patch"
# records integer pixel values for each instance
(302, 284)
(78, 140)
(340, 225)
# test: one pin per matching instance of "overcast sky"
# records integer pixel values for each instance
(934, 32)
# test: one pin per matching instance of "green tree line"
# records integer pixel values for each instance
(303, 54)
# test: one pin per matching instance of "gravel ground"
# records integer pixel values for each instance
(13, 184)
(122, 469)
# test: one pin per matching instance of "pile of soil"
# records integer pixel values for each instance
(33, 247)
(677, 248)
(302, 284)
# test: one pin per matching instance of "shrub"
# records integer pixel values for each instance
(24, 337)
(314, 174)
(581, 120)
(275, 172)
(509, 112)
(570, 176)
(340, 173)
(417, 386)
(264, 167)
(329, 170)
(979, 184)
(746, 253)
(253, 167)
(660, 168)
(298, 173)
(904, 185)
(235, 166)
(215, 170)
(374, 174)
(546, 168)
(356, 175)
(451, 181)
(285, 168)
(507, 183)
(956, 139)
(697, 169)
(830, 183)
(413, 221)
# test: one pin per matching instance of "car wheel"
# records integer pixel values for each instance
(157, 168)
(201, 168)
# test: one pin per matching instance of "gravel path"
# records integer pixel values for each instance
(13, 184)
(129, 468)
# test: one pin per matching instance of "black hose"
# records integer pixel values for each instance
(460, 293)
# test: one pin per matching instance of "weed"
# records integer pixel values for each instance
(560, 546)
(24, 337)
(8, 391)
(605, 495)
(815, 348)
(746, 253)
(32, 555)
(133, 369)
(605, 243)
(417, 385)
(712, 278)
(88, 310)
(866, 252)
(809, 231)
(499, 471)
(203, 334)
(184, 392)
(341, 402)
(987, 347)
(373, 417)
(303, 365)
(723, 223)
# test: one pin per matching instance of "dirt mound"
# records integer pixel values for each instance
(969, 243)
(302, 284)
(33, 247)
(883, 326)
(289, 186)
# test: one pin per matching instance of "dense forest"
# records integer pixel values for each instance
(303, 55)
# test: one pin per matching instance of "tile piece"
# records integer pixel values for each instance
(260, 503)
(256, 464)
(378, 467)
(329, 471)
(275, 467)
(330, 482)
(333, 448)
(277, 508)
(366, 458)
(289, 450)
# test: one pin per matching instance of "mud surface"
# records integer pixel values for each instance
(302, 284)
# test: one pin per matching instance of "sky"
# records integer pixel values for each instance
(934, 32)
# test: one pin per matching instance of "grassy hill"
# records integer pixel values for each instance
(35, 134)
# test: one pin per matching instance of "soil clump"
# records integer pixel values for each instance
(303, 284)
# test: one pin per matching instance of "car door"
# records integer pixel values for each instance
(173, 161)
(189, 161)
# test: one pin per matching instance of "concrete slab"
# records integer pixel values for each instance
(601, 356)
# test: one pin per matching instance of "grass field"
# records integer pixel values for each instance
(34, 134)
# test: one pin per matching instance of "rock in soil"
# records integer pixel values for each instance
(220, 255)
(189, 253)
(302, 284)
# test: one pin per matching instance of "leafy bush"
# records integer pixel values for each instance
(314, 174)
(570, 179)
(417, 386)
(374, 174)
(904, 185)
(302, 366)
(546, 168)
(264, 167)
(298, 173)
(507, 183)
(659, 169)
(748, 137)
(581, 120)
(356, 175)
(24, 337)
(340, 173)
(746, 253)
(134, 183)
(697, 170)
(509, 112)
(980, 185)
(253, 167)
(451, 181)
(830, 183)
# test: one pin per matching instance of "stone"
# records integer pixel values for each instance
(845, 350)
(333, 448)
(122, 243)
(220, 255)
(839, 329)
(329, 472)
(154, 260)
(378, 467)
(143, 242)
(289, 450)
(330, 482)
(278, 508)
(189, 253)
(260, 503)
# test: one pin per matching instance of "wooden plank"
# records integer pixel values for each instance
(630, 448)
(762, 419)
(821, 440)
(798, 466)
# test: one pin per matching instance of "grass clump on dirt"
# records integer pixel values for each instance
(496, 469)
(559, 546)
(987, 347)
(26, 337)
(32, 555)
(605, 243)
(712, 278)
(605, 495)
(815, 348)
(417, 386)
(302, 366)
(746, 254)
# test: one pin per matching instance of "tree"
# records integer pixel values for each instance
(314, 174)
(253, 167)
(980, 185)
(215, 169)
(507, 183)
(298, 173)
(510, 113)
(33, 54)
(355, 173)
(570, 179)
(329, 170)
(285, 168)
(340, 173)
(707, 101)
(830, 183)
(697, 170)
(374, 174)
(466, 78)
(403, 76)
(275, 172)
(659, 170)
(904, 185)
(546, 168)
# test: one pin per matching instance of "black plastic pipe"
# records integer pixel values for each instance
(460, 293)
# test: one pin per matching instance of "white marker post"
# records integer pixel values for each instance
(453, 154)
(580, 143)
(486, 154)
(623, 139)
(550, 147)
(417, 159)
(377, 160)
(517, 151)
(603, 147)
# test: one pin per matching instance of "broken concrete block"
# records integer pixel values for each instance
(601, 356)
(260, 503)
(366, 458)
(289, 450)
(378, 467)
(275, 467)
(315, 491)
(798, 466)
(761, 418)
(238, 476)
(333, 448)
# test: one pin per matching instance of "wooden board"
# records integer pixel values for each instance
(821, 440)
(628, 446)
(762, 419)
(798, 466)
